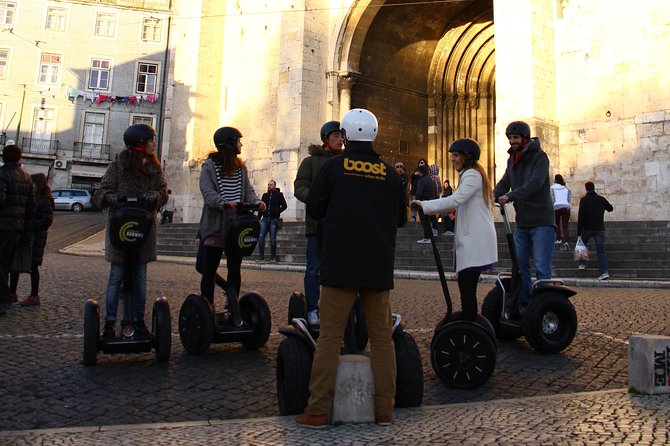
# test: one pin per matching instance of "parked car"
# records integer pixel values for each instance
(72, 199)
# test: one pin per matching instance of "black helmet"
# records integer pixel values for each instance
(137, 135)
(518, 128)
(466, 146)
(328, 128)
(226, 137)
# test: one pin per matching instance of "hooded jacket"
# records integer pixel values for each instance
(591, 216)
(360, 252)
(275, 203)
(526, 184)
(305, 177)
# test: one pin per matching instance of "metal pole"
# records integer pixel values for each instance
(18, 125)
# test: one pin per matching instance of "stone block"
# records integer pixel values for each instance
(649, 364)
(354, 391)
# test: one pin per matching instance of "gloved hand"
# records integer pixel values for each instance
(149, 198)
(110, 199)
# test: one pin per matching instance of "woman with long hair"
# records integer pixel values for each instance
(561, 196)
(136, 172)
(224, 181)
(37, 228)
(475, 240)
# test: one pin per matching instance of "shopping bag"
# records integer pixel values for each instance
(23, 255)
(581, 251)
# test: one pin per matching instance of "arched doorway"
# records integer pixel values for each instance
(427, 71)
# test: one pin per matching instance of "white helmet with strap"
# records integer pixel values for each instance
(359, 125)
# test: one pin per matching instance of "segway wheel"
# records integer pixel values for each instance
(463, 355)
(162, 329)
(409, 370)
(297, 307)
(256, 313)
(492, 310)
(294, 366)
(196, 324)
(91, 331)
(458, 316)
(550, 323)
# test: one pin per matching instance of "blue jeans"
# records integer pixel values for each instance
(599, 238)
(114, 290)
(312, 272)
(538, 243)
(268, 224)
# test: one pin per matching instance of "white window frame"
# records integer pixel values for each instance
(114, 25)
(36, 110)
(138, 75)
(8, 63)
(144, 117)
(4, 13)
(59, 75)
(105, 127)
(90, 72)
(66, 18)
(158, 23)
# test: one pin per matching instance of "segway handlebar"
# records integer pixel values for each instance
(508, 225)
(242, 206)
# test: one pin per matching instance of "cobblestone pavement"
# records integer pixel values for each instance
(45, 385)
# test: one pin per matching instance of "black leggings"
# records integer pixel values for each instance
(210, 264)
(34, 281)
(199, 260)
(467, 286)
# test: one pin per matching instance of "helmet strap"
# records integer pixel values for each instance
(147, 158)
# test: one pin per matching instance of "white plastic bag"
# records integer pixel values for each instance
(581, 251)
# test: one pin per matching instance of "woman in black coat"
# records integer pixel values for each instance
(38, 226)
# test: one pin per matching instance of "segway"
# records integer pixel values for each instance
(200, 326)
(130, 226)
(296, 353)
(550, 321)
(462, 352)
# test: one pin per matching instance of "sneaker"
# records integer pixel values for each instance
(110, 329)
(604, 276)
(261, 258)
(141, 328)
(582, 266)
(313, 317)
(423, 240)
(448, 233)
(557, 242)
(565, 246)
(274, 259)
(412, 220)
(312, 421)
(384, 420)
(30, 301)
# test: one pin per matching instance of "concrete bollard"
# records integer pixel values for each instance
(354, 400)
(649, 364)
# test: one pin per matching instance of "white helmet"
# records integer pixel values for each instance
(359, 125)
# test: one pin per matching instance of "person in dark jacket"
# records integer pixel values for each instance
(357, 260)
(425, 190)
(416, 175)
(526, 184)
(37, 230)
(275, 204)
(333, 142)
(17, 205)
(591, 223)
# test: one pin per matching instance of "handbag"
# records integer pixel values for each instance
(23, 256)
(581, 251)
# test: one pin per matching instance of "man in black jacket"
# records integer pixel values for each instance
(357, 258)
(275, 204)
(526, 185)
(591, 223)
(17, 204)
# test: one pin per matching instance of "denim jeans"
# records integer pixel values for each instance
(599, 238)
(114, 290)
(538, 243)
(313, 272)
(268, 224)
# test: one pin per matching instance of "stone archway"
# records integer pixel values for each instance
(427, 72)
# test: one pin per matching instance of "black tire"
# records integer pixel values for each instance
(255, 312)
(550, 322)
(492, 309)
(77, 207)
(91, 332)
(463, 355)
(162, 329)
(294, 366)
(356, 331)
(409, 371)
(196, 324)
(458, 316)
(297, 307)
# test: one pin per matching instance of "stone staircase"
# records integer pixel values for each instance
(635, 250)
